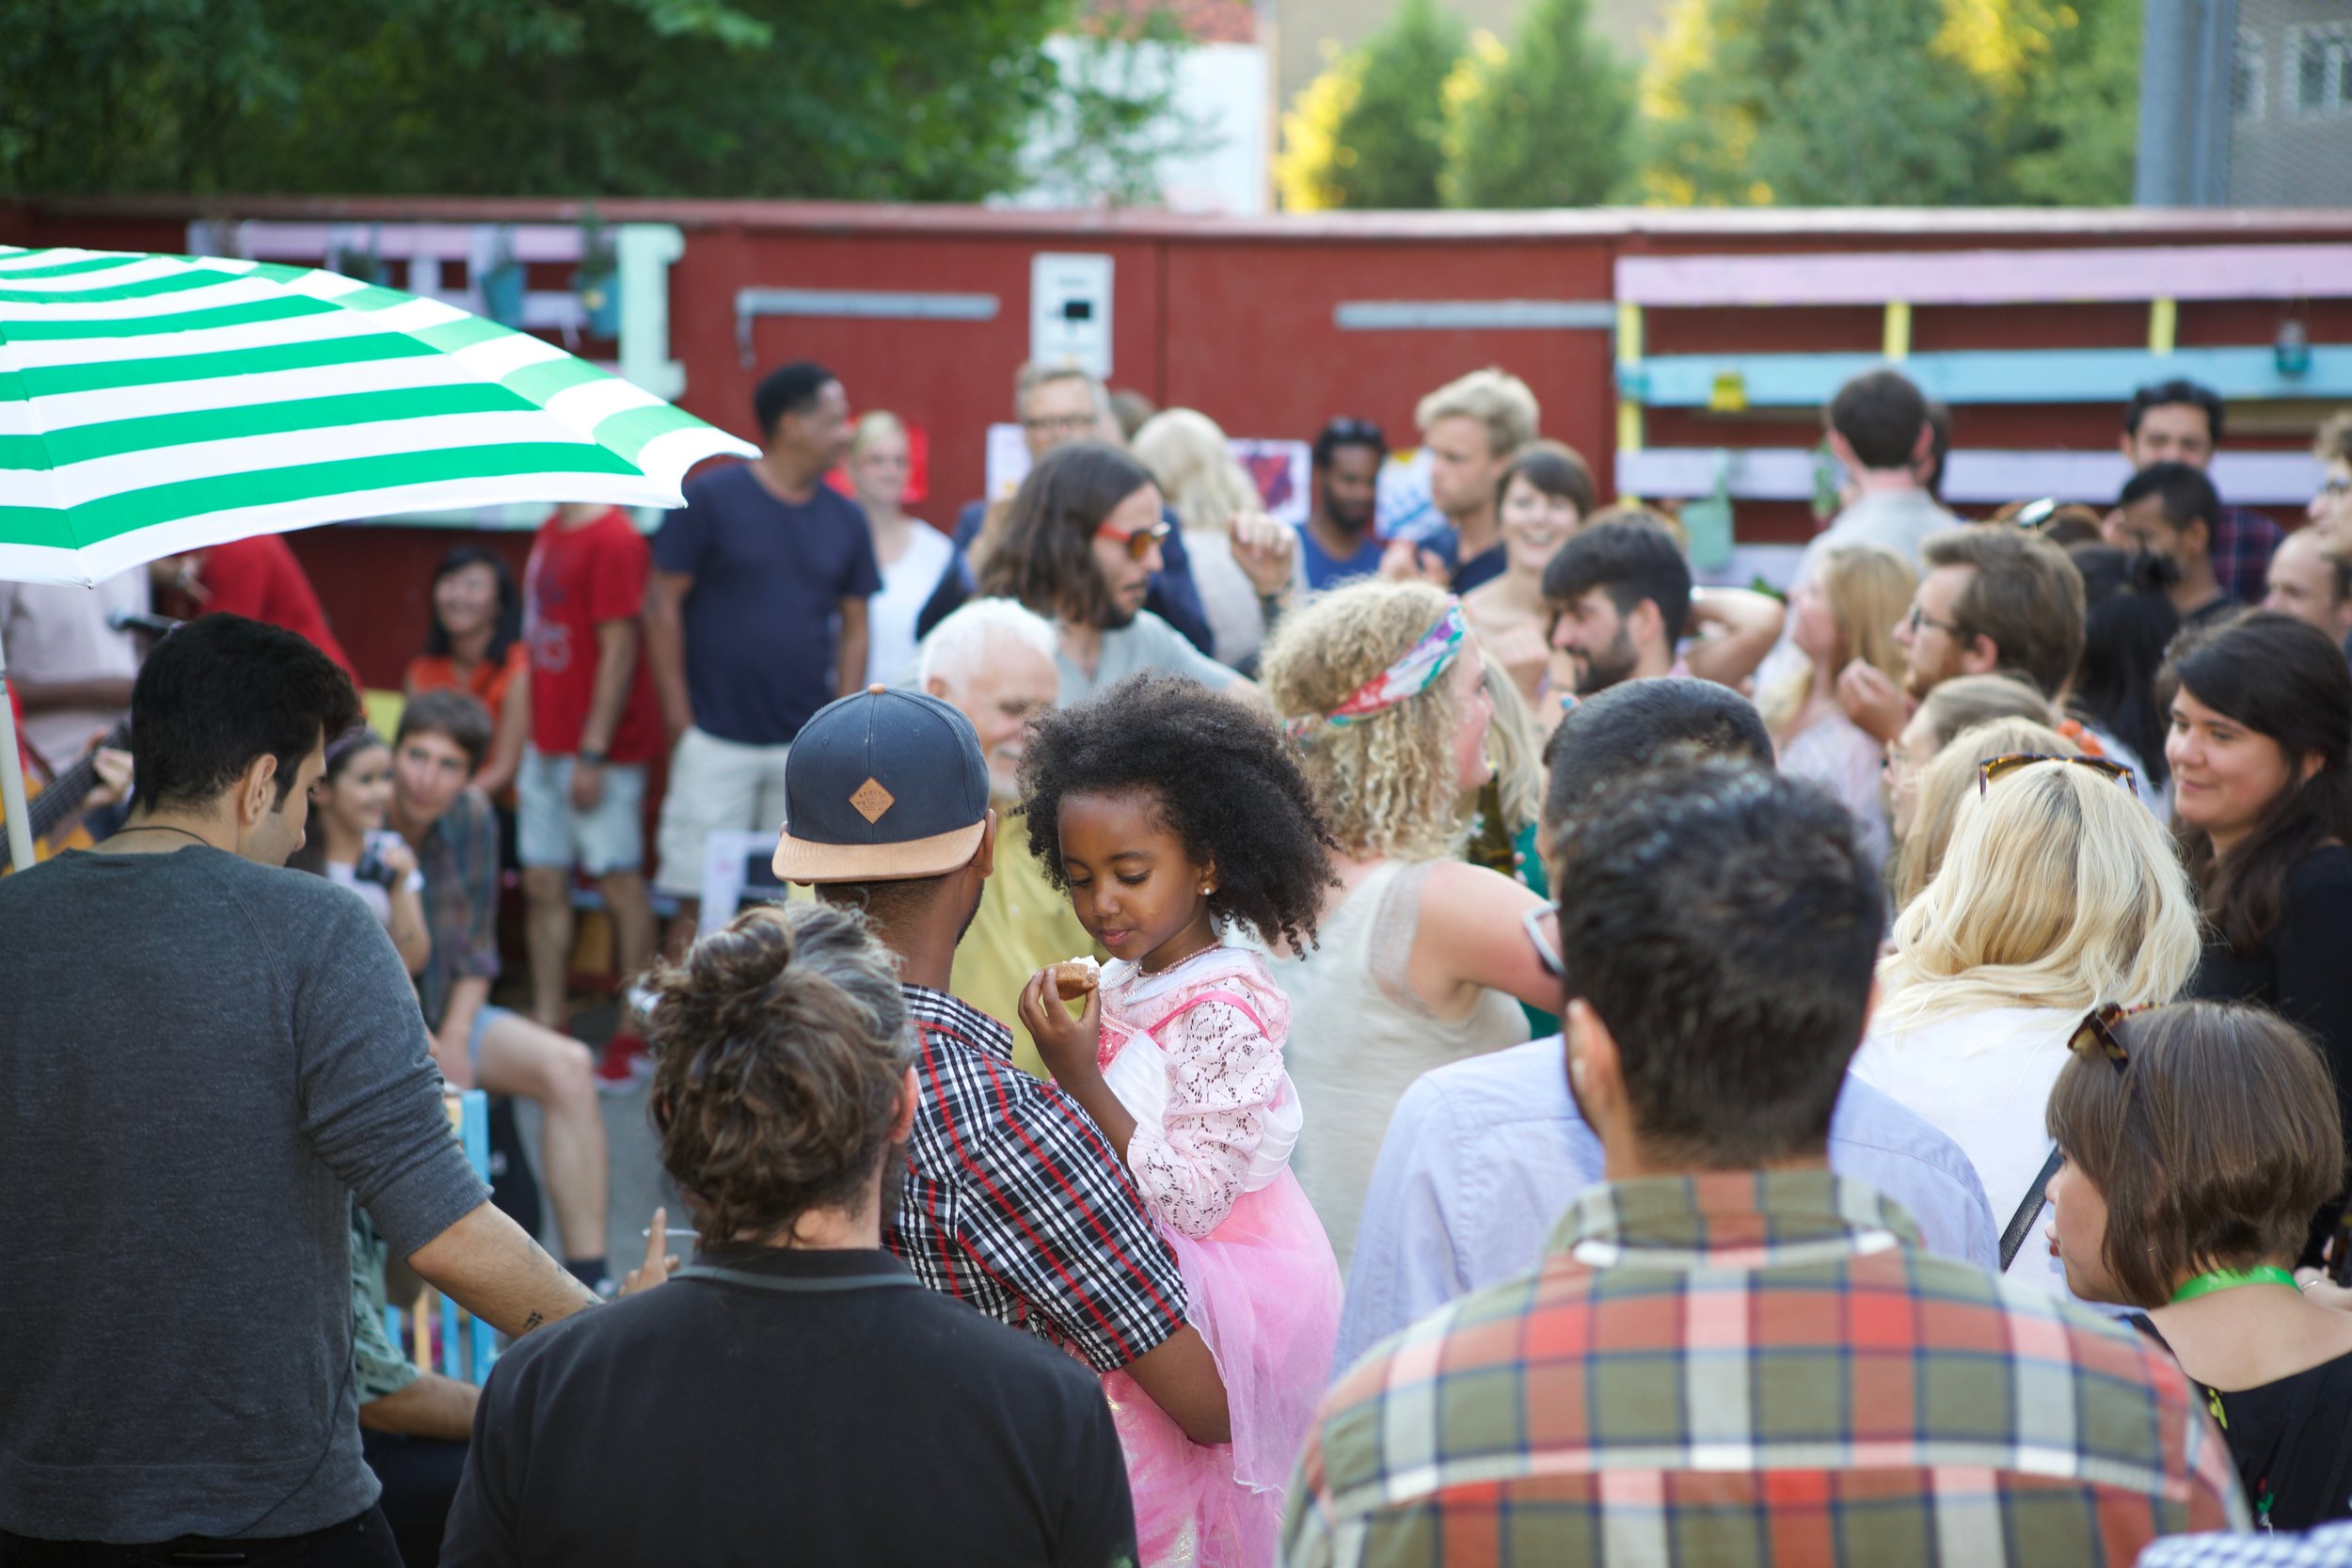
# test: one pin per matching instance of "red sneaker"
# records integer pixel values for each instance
(625, 1064)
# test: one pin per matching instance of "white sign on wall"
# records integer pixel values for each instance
(1070, 311)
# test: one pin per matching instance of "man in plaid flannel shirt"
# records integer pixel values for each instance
(1014, 1202)
(1731, 1356)
(2180, 421)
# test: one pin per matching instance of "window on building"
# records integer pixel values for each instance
(2320, 61)
(2246, 76)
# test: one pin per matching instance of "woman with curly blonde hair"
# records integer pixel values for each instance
(1420, 955)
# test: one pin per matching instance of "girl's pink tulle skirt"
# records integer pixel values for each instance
(1264, 1292)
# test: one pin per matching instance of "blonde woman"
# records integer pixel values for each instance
(1420, 955)
(1954, 705)
(1845, 610)
(2059, 894)
(1950, 777)
(1210, 493)
(910, 552)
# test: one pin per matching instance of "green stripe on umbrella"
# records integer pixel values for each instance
(156, 404)
(152, 404)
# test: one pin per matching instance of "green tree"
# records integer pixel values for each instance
(888, 99)
(2078, 109)
(1548, 124)
(1390, 143)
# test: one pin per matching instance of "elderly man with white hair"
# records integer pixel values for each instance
(994, 660)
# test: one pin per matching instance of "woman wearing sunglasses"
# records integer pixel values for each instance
(1081, 543)
(2196, 1140)
(2058, 892)
(2261, 747)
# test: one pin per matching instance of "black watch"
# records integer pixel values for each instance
(596, 758)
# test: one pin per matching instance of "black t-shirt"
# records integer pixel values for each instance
(812, 1408)
(2290, 1440)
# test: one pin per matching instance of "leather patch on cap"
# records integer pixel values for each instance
(872, 801)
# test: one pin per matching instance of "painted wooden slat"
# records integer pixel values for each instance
(1991, 375)
(1464, 315)
(1976, 477)
(1991, 277)
(266, 241)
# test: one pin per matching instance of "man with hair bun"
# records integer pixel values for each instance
(771, 1400)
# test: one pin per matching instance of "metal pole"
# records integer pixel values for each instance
(12, 779)
(2165, 71)
(2209, 118)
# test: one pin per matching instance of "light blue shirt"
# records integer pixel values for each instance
(1482, 1156)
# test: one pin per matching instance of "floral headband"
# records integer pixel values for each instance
(1408, 677)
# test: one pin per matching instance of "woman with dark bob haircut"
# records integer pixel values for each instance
(1080, 545)
(2261, 753)
(2198, 1138)
(650, 1432)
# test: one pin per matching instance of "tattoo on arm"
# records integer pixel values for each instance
(533, 1320)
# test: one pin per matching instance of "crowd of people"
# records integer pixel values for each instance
(1369, 1041)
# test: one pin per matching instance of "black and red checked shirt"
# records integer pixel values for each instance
(1016, 1204)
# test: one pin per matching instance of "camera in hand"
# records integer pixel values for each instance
(369, 867)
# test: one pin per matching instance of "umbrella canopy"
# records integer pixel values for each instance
(152, 404)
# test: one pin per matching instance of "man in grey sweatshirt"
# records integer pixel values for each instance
(203, 1058)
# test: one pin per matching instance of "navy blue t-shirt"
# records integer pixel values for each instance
(762, 618)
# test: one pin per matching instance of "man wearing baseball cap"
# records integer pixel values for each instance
(1014, 1202)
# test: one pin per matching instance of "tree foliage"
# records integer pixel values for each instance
(887, 100)
(1545, 123)
(1388, 144)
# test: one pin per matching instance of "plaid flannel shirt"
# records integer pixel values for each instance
(2242, 547)
(460, 860)
(1016, 1204)
(1756, 1368)
(2328, 1546)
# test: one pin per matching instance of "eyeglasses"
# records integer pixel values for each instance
(1547, 954)
(1994, 767)
(2096, 1033)
(1045, 422)
(1919, 618)
(1139, 544)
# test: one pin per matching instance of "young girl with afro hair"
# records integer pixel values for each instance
(1170, 813)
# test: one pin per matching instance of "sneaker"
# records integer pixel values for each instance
(625, 1064)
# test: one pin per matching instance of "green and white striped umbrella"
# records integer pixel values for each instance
(152, 404)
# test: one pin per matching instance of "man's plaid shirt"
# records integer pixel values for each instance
(1756, 1369)
(1016, 1203)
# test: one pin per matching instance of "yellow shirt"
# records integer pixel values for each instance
(1023, 926)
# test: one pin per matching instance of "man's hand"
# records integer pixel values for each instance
(658, 1261)
(1872, 700)
(114, 778)
(1067, 1044)
(1405, 561)
(1265, 549)
(587, 783)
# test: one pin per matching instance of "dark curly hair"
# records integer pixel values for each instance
(780, 1047)
(1227, 781)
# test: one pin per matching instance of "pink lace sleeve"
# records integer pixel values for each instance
(1222, 1073)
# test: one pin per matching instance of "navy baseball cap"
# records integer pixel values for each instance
(885, 785)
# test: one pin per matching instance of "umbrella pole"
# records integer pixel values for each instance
(12, 779)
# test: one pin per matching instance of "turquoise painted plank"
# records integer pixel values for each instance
(1989, 375)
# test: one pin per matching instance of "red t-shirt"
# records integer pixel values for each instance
(577, 578)
(260, 580)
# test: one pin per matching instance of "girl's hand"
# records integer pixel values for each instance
(398, 858)
(1067, 1044)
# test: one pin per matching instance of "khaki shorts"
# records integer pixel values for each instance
(715, 786)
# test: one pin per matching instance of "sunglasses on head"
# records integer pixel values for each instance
(2034, 514)
(1140, 543)
(1994, 767)
(2096, 1034)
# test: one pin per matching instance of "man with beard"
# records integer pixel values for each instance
(1337, 539)
(1621, 600)
(1081, 547)
(1014, 1202)
(1996, 600)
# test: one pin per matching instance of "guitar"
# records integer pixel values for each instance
(63, 796)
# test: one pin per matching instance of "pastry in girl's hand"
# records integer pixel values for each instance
(1074, 977)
